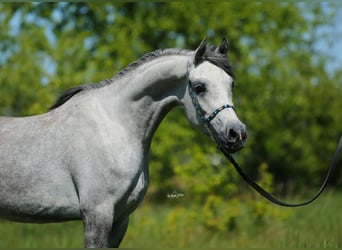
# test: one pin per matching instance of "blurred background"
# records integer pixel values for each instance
(288, 65)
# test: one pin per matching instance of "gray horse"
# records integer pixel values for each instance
(87, 158)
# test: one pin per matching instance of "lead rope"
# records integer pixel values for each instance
(268, 196)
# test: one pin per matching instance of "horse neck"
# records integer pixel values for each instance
(146, 95)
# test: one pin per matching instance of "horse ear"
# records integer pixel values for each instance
(200, 50)
(224, 47)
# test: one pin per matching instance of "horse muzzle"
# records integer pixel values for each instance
(233, 140)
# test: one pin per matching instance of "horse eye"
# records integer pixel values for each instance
(199, 88)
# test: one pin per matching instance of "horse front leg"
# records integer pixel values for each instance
(98, 225)
(118, 232)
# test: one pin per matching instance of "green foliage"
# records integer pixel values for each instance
(285, 94)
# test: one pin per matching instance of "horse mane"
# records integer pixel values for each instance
(63, 98)
(210, 55)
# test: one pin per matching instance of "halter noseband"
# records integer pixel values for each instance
(204, 116)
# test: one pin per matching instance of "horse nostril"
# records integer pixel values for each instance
(233, 135)
(236, 135)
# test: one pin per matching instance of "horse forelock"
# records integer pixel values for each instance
(218, 59)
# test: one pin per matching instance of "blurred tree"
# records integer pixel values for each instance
(290, 103)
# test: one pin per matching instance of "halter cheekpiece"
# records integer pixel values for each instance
(204, 116)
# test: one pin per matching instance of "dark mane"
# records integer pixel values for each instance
(144, 59)
(210, 55)
(63, 98)
(149, 57)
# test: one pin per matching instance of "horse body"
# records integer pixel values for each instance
(88, 157)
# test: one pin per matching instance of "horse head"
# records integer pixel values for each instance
(208, 100)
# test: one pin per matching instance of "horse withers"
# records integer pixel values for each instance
(86, 159)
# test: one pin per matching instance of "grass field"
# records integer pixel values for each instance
(316, 225)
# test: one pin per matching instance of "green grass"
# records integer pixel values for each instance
(316, 225)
